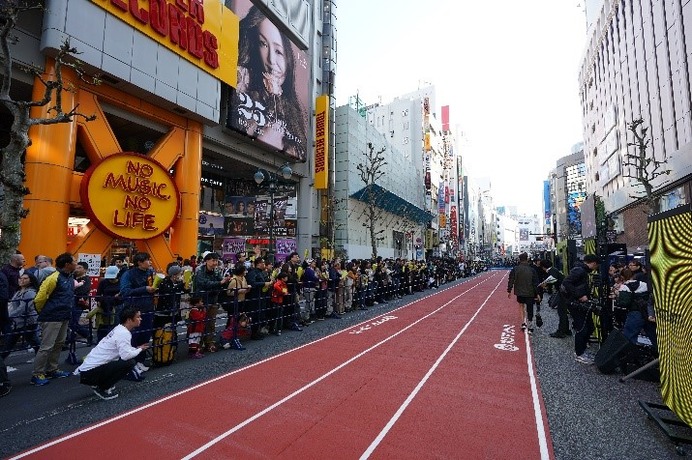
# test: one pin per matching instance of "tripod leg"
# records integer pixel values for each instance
(640, 370)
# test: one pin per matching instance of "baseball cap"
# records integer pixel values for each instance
(111, 272)
(208, 255)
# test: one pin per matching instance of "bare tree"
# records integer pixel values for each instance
(12, 173)
(644, 168)
(371, 170)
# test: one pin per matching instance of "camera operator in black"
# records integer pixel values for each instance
(575, 292)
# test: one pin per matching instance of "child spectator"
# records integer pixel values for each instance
(279, 291)
(195, 329)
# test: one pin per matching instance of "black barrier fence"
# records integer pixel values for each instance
(248, 314)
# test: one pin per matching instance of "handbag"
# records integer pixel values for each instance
(554, 300)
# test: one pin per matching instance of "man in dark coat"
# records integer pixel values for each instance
(524, 280)
(575, 292)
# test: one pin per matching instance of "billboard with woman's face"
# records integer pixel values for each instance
(270, 100)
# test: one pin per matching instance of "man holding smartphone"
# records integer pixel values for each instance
(137, 290)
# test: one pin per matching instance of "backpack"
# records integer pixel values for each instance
(164, 346)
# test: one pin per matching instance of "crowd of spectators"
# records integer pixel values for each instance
(133, 304)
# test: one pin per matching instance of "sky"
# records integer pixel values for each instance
(507, 69)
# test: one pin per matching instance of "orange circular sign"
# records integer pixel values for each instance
(130, 196)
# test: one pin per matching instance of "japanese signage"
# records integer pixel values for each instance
(322, 142)
(203, 32)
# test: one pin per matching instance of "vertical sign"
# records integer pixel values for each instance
(94, 262)
(322, 142)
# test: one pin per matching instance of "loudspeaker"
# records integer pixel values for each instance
(614, 350)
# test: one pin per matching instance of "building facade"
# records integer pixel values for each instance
(177, 93)
(637, 66)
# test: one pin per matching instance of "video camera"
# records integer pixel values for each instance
(590, 306)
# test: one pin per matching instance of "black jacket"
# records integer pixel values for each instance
(576, 283)
(524, 279)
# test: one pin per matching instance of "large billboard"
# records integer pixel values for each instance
(270, 100)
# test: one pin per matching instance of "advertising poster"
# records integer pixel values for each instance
(284, 247)
(240, 206)
(270, 100)
(210, 225)
(232, 246)
(239, 226)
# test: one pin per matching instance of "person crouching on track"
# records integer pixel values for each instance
(524, 279)
(195, 330)
(113, 357)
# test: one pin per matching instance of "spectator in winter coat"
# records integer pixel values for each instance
(12, 271)
(54, 303)
(209, 282)
(259, 282)
(524, 280)
(137, 290)
(108, 300)
(22, 313)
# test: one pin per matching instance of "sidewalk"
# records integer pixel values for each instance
(592, 415)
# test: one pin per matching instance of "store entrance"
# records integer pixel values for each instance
(237, 215)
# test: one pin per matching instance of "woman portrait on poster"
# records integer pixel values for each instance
(240, 208)
(266, 104)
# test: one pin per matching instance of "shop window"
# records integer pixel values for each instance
(136, 136)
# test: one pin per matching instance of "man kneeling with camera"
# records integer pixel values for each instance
(113, 357)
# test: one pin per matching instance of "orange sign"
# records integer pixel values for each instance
(130, 196)
(204, 33)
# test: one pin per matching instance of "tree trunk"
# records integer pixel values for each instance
(12, 177)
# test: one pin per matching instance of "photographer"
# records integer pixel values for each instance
(575, 292)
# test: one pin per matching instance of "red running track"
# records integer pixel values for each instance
(447, 376)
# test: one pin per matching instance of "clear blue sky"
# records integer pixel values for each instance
(508, 69)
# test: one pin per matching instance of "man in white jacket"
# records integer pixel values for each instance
(113, 357)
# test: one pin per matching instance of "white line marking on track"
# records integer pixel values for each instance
(540, 426)
(220, 377)
(229, 432)
(378, 439)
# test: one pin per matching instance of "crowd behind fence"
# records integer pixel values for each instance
(250, 313)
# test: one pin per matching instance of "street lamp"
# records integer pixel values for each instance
(271, 181)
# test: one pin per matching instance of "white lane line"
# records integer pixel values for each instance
(540, 426)
(229, 432)
(210, 381)
(376, 442)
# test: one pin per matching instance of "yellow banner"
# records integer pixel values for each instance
(322, 142)
(427, 142)
(204, 33)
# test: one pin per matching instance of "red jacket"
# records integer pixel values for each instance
(279, 291)
(197, 319)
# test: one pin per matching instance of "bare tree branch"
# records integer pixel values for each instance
(645, 169)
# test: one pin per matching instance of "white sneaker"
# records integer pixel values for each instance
(584, 359)
(141, 367)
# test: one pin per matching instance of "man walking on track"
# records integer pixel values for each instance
(113, 357)
(524, 279)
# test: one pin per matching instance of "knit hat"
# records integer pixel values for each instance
(174, 270)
